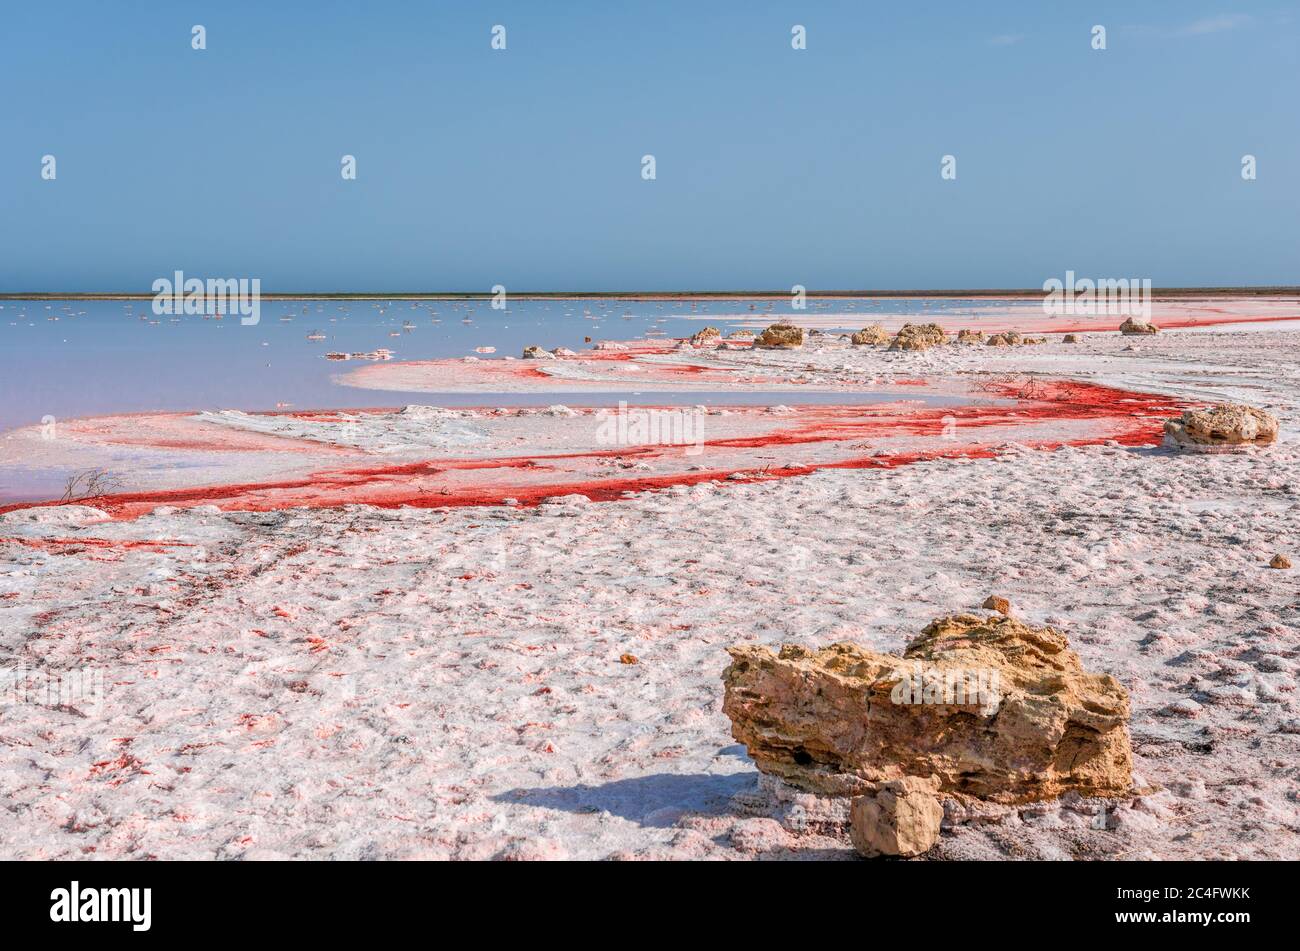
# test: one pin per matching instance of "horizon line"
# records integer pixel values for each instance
(1211, 291)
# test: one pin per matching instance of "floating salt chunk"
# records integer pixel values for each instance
(485, 349)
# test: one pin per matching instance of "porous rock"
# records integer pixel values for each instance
(918, 337)
(1226, 427)
(781, 337)
(987, 706)
(1136, 326)
(901, 818)
(871, 336)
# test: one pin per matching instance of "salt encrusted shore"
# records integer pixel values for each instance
(357, 682)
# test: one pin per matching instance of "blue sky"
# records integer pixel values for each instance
(774, 166)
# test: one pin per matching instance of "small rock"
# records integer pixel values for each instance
(901, 819)
(1280, 561)
(871, 336)
(1135, 325)
(1010, 338)
(780, 336)
(629, 659)
(995, 603)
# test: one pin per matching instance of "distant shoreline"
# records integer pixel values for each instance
(968, 294)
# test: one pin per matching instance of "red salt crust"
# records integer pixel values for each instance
(1137, 418)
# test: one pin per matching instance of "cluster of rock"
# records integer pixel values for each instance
(780, 336)
(909, 337)
(703, 337)
(1013, 338)
(535, 352)
(925, 336)
(873, 335)
(918, 337)
(1226, 427)
(1136, 326)
(981, 707)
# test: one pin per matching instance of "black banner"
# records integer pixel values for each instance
(332, 900)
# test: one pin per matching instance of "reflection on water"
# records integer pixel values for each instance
(64, 359)
(84, 358)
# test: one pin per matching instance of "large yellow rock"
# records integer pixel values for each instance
(781, 337)
(1226, 427)
(918, 337)
(871, 336)
(1136, 326)
(987, 707)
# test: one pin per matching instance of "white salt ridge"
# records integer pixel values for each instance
(55, 515)
(413, 428)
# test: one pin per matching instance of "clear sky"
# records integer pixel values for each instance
(522, 167)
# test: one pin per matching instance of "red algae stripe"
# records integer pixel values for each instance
(1127, 417)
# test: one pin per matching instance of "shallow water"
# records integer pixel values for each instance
(103, 357)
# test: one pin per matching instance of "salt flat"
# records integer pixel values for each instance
(354, 681)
